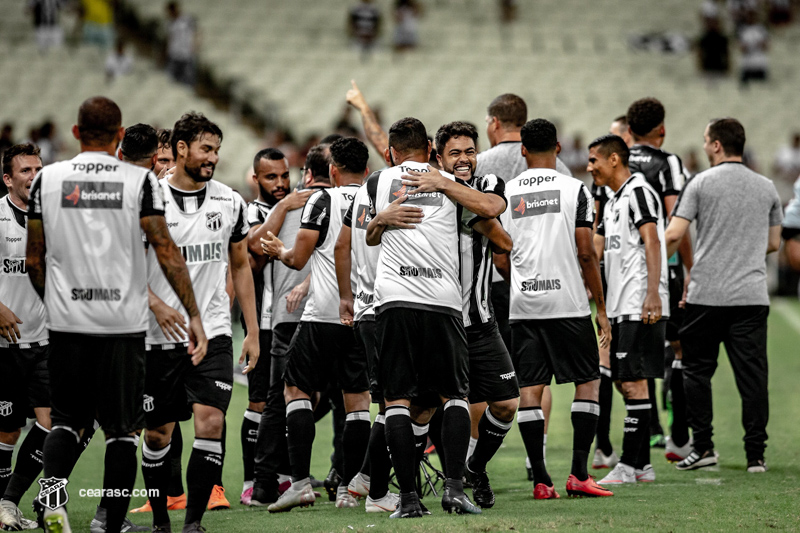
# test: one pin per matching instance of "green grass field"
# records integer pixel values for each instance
(722, 500)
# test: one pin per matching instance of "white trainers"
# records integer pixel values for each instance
(621, 473)
(359, 486)
(645, 474)
(387, 504)
(677, 453)
(11, 517)
(344, 499)
(602, 460)
(299, 494)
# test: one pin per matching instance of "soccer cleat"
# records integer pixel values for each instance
(217, 500)
(408, 507)
(458, 502)
(425, 510)
(98, 524)
(331, 484)
(56, 521)
(387, 504)
(359, 486)
(646, 474)
(657, 441)
(696, 460)
(481, 489)
(194, 527)
(588, 488)
(11, 518)
(344, 499)
(675, 453)
(543, 492)
(300, 496)
(602, 460)
(262, 497)
(174, 503)
(620, 474)
(247, 495)
(757, 466)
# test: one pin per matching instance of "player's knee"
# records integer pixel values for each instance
(504, 410)
(10, 437)
(633, 389)
(157, 438)
(258, 407)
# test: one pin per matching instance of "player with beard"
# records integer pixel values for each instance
(208, 222)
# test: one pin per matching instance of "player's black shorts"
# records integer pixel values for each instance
(676, 313)
(365, 335)
(258, 378)
(562, 347)
(637, 350)
(491, 373)
(97, 377)
(26, 384)
(173, 384)
(422, 352)
(322, 353)
(281, 339)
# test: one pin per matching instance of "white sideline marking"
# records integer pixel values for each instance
(789, 314)
(708, 481)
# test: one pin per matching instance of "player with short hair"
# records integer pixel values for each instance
(165, 159)
(139, 146)
(24, 345)
(86, 218)
(665, 174)
(632, 233)
(208, 222)
(323, 349)
(551, 324)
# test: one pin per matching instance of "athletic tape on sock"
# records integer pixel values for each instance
(252, 416)
(638, 407)
(530, 415)
(6, 447)
(296, 405)
(42, 427)
(592, 408)
(605, 371)
(380, 419)
(67, 428)
(677, 364)
(496, 422)
(129, 439)
(456, 403)
(357, 415)
(207, 445)
(154, 455)
(397, 410)
(419, 430)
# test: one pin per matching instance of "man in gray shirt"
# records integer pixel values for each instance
(727, 300)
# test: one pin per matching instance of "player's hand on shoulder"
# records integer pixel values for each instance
(346, 311)
(8, 324)
(297, 199)
(271, 246)
(400, 216)
(171, 321)
(198, 342)
(651, 310)
(431, 181)
(250, 352)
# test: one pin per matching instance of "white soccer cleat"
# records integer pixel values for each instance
(387, 504)
(602, 460)
(299, 494)
(12, 519)
(359, 486)
(677, 453)
(645, 474)
(620, 474)
(344, 499)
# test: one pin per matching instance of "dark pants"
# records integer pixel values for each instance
(743, 330)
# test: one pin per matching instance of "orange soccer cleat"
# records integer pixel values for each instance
(217, 500)
(174, 503)
(587, 488)
(543, 492)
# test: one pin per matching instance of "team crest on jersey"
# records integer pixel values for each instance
(6, 408)
(424, 198)
(214, 221)
(535, 203)
(92, 194)
(53, 492)
(363, 218)
(148, 403)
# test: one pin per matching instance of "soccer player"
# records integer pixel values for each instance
(208, 222)
(728, 300)
(322, 348)
(417, 289)
(164, 160)
(665, 174)
(632, 233)
(620, 128)
(551, 329)
(86, 218)
(24, 344)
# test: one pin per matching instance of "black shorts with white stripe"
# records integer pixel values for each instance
(637, 350)
(491, 373)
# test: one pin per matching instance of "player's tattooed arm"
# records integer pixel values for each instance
(372, 128)
(395, 215)
(498, 237)
(245, 291)
(35, 252)
(341, 254)
(482, 204)
(590, 267)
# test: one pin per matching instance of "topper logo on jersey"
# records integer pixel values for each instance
(423, 198)
(536, 203)
(92, 194)
(214, 221)
(536, 285)
(536, 180)
(363, 219)
(202, 253)
(424, 272)
(14, 266)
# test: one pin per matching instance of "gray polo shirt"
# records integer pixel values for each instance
(734, 208)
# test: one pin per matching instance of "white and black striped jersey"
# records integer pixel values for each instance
(601, 196)
(257, 213)
(203, 224)
(324, 212)
(91, 209)
(476, 258)
(16, 290)
(418, 268)
(632, 206)
(364, 257)
(544, 208)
